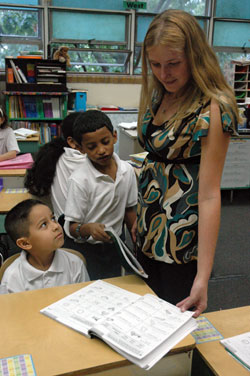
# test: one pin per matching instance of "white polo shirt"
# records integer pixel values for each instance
(97, 198)
(8, 141)
(65, 269)
(70, 160)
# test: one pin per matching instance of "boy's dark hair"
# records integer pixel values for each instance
(3, 115)
(39, 178)
(90, 121)
(17, 219)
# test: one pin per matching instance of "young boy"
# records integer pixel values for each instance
(101, 193)
(32, 226)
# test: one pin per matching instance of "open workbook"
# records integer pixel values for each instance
(127, 258)
(239, 347)
(141, 328)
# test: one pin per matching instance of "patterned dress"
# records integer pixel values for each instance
(167, 213)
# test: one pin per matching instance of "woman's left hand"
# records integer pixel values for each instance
(196, 299)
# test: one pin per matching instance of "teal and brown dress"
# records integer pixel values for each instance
(167, 214)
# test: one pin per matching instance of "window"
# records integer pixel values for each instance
(105, 38)
(21, 29)
(95, 46)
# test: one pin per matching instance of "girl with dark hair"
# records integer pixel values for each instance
(8, 143)
(54, 163)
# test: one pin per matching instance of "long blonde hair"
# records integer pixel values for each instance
(178, 30)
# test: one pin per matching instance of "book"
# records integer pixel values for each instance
(239, 347)
(31, 72)
(23, 133)
(21, 74)
(241, 62)
(141, 328)
(56, 107)
(39, 106)
(21, 161)
(128, 259)
(47, 108)
(16, 74)
(30, 106)
(132, 125)
(10, 75)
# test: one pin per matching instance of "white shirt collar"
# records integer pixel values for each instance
(120, 169)
(31, 273)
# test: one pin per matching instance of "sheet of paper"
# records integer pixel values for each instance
(205, 331)
(19, 365)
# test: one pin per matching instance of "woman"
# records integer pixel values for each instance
(187, 113)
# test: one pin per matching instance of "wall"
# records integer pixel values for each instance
(122, 95)
(101, 93)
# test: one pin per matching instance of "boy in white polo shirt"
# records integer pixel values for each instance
(33, 227)
(101, 193)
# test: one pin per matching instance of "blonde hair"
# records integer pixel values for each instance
(179, 31)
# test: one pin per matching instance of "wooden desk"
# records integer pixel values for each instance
(59, 350)
(7, 201)
(13, 172)
(13, 178)
(228, 322)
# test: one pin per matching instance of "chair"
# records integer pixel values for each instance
(10, 259)
(77, 253)
(7, 263)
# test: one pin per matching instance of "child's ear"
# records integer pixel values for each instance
(115, 136)
(73, 144)
(24, 243)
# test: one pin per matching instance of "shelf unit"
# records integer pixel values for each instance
(41, 102)
(242, 81)
(35, 71)
(20, 105)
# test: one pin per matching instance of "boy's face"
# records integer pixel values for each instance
(99, 146)
(45, 233)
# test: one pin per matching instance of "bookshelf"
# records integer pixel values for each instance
(36, 95)
(242, 81)
(35, 75)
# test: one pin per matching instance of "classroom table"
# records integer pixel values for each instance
(29, 145)
(13, 178)
(229, 322)
(7, 201)
(59, 350)
(13, 172)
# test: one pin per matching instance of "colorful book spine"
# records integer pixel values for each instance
(31, 73)
(10, 75)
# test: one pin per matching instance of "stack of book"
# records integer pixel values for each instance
(49, 75)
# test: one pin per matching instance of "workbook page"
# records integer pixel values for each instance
(84, 308)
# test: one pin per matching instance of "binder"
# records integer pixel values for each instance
(77, 101)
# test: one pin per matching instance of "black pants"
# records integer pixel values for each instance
(102, 259)
(171, 282)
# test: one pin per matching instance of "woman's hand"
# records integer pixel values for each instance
(197, 298)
